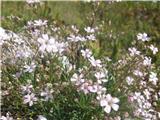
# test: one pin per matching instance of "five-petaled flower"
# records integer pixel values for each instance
(108, 102)
(30, 99)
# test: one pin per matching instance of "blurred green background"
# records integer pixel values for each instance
(120, 21)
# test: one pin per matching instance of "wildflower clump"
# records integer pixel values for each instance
(52, 70)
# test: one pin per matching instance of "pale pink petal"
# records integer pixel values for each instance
(115, 107)
(108, 97)
(103, 102)
(42, 48)
(49, 48)
(30, 103)
(45, 36)
(26, 101)
(115, 100)
(41, 41)
(52, 41)
(107, 109)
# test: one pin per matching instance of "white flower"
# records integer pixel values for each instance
(154, 49)
(147, 104)
(103, 102)
(30, 68)
(91, 37)
(101, 90)
(40, 22)
(23, 52)
(7, 117)
(93, 88)
(82, 39)
(108, 59)
(74, 78)
(47, 43)
(72, 38)
(96, 88)
(78, 79)
(133, 51)
(159, 114)
(136, 95)
(153, 78)
(95, 63)
(147, 93)
(32, 1)
(159, 93)
(100, 77)
(89, 30)
(143, 83)
(100, 96)
(138, 73)
(29, 23)
(84, 87)
(27, 89)
(75, 28)
(60, 47)
(55, 29)
(147, 61)
(109, 102)
(143, 36)
(77, 38)
(29, 98)
(36, 32)
(129, 80)
(47, 93)
(67, 66)
(41, 117)
(118, 117)
(50, 45)
(86, 53)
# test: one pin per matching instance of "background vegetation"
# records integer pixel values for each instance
(121, 20)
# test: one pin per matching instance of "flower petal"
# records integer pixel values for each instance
(103, 102)
(45, 36)
(30, 103)
(108, 97)
(115, 100)
(115, 107)
(107, 109)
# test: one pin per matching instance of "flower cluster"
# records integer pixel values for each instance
(108, 102)
(32, 1)
(89, 86)
(7, 117)
(50, 45)
(142, 82)
(77, 37)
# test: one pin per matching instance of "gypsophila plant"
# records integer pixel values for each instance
(55, 71)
